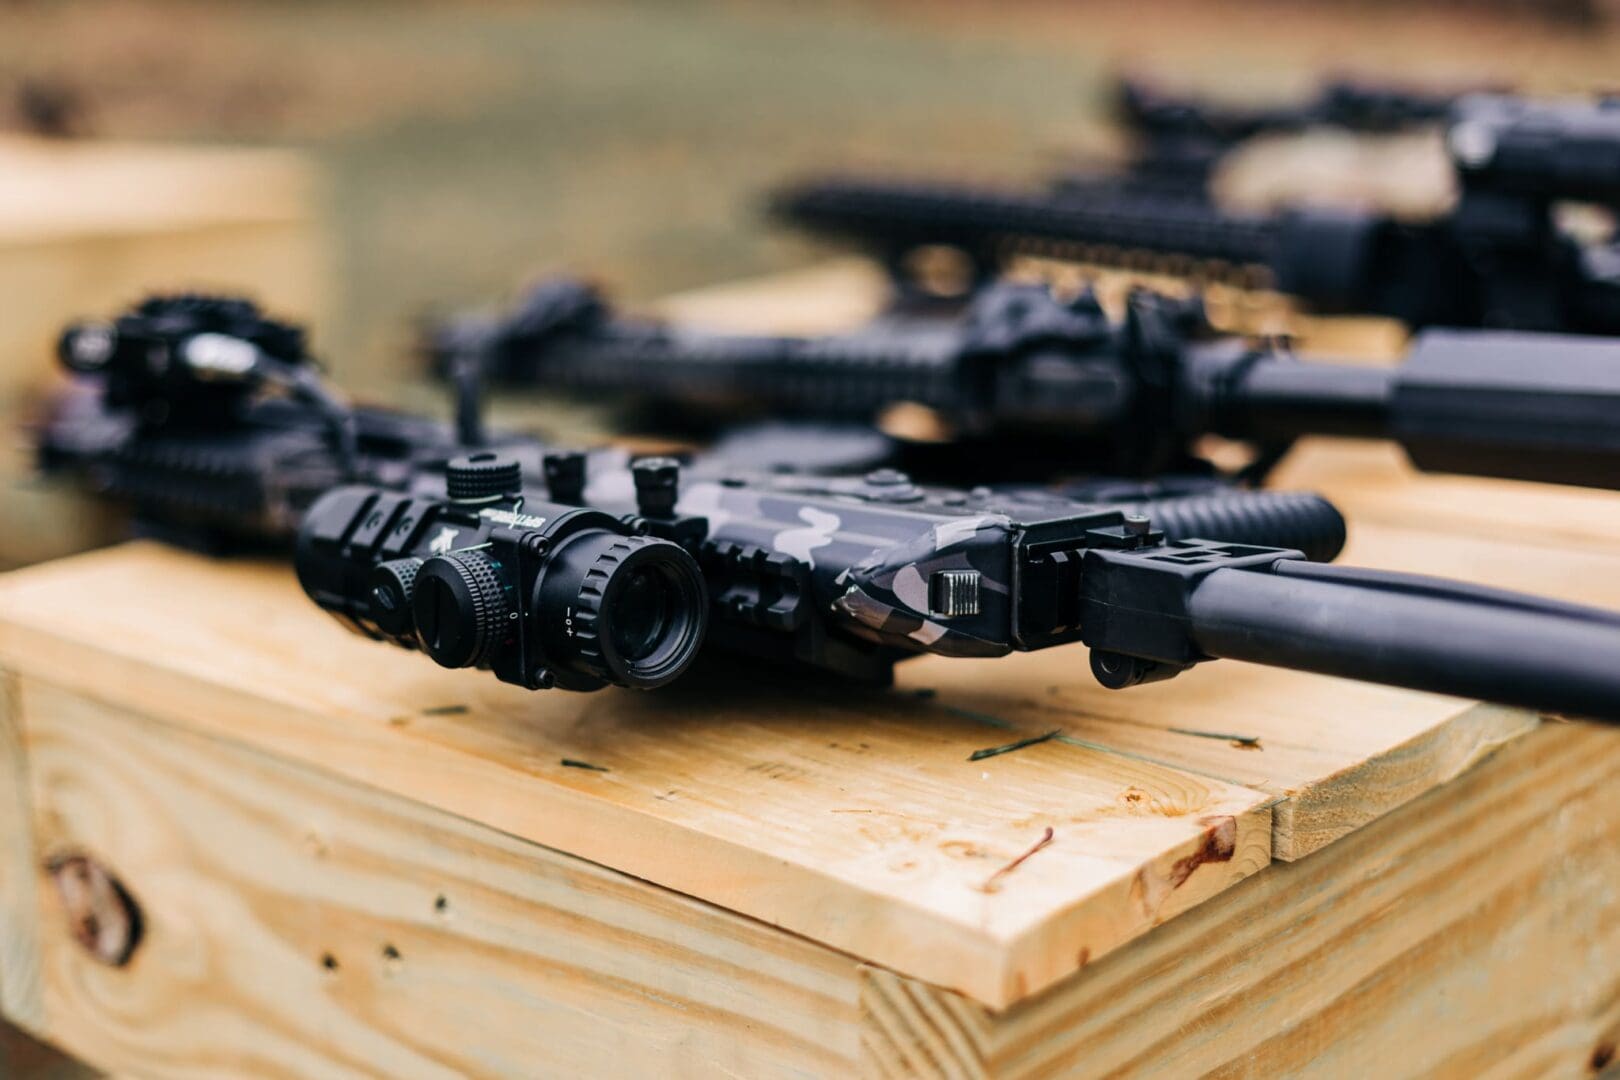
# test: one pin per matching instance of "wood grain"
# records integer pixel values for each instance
(853, 818)
(298, 926)
(1473, 933)
(1335, 754)
(822, 299)
(1373, 482)
(21, 997)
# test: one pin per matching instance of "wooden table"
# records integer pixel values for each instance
(346, 860)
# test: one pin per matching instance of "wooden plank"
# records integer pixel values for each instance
(86, 228)
(1391, 952)
(1474, 933)
(853, 818)
(1373, 482)
(822, 299)
(51, 190)
(295, 925)
(1335, 754)
(21, 998)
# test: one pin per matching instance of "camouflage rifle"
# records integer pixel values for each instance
(619, 578)
(1025, 376)
(1498, 259)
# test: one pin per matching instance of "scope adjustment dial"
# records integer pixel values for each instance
(390, 588)
(461, 606)
(482, 476)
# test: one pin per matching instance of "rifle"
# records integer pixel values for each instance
(620, 579)
(1498, 259)
(214, 424)
(1021, 374)
(1182, 139)
(621, 572)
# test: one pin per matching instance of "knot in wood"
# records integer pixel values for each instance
(102, 916)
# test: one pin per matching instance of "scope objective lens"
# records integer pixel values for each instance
(629, 610)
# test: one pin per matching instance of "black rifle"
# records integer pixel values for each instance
(1181, 139)
(214, 425)
(1498, 259)
(1022, 374)
(617, 574)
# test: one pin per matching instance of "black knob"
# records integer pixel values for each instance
(389, 589)
(657, 486)
(565, 476)
(483, 476)
(1117, 671)
(460, 604)
(88, 347)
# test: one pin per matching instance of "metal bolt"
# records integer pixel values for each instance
(657, 481)
(565, 476)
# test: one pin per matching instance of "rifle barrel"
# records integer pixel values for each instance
(1543, 407)
(1415, 632)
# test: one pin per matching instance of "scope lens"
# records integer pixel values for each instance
(641, 614)
(629, 610)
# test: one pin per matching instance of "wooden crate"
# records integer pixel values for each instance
(88, 228)
(349, 861)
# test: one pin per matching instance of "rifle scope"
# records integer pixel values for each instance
(543, 594)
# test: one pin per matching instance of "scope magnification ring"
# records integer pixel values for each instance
(640, 612)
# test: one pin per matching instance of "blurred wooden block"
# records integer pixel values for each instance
(23, 1058)
(347, 859)
(88, 228)
(824, 299)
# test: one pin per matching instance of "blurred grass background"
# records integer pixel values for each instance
(469, 146)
